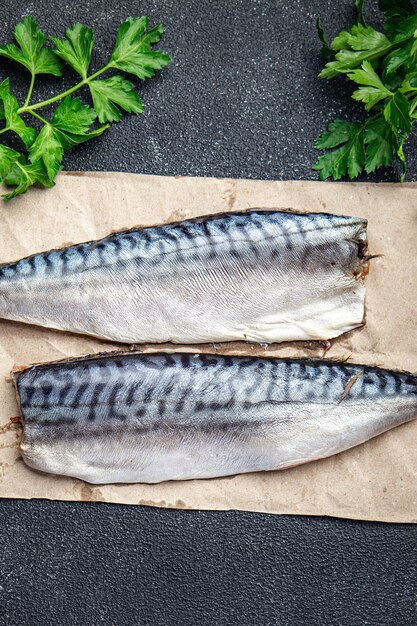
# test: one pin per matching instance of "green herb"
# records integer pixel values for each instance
(383, 66)
(72, 121)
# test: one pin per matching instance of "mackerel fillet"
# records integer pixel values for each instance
(155, 417)
(258, 276)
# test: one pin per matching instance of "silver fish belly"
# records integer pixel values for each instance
(156, 417)
(260, 276)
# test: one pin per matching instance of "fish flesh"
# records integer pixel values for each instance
(261, 276)
(126, 418)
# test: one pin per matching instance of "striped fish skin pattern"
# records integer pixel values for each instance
(157, 417)
(260, 276)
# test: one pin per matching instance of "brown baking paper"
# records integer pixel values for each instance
(374, 481)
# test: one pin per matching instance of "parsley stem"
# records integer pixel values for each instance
(413, 106)
(68, 92)
(401, 156)
(29, 94)
(42, 119)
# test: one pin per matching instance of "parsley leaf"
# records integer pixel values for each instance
(132, 51)
(399, 17)
(349, 158)
(73, 116)
(397, 112)
(69, 126)
(30, 51)
(48, 149)
(337, 132)
(373, 89)
(111, 96)
(7, 158)
(355, 46)
(76, 48)
(22, 175)
(13, 120)
(381, 144)
(384, 67)
(73, 122)
(395, 10)
(398, 62)
(404, 29)
(325, 50)
(362, 146)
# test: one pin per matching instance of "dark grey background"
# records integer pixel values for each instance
(241, 99)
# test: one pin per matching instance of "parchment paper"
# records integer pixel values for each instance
(374, 481)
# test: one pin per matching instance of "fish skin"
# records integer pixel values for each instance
(157, 417)
(261, 276)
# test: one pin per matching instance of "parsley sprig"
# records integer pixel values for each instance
(72, 120)
(383, 66)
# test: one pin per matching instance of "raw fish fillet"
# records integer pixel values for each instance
(258, 276)
(156, 417)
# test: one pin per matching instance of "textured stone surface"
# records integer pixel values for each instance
(241, 99)
(90, 564)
